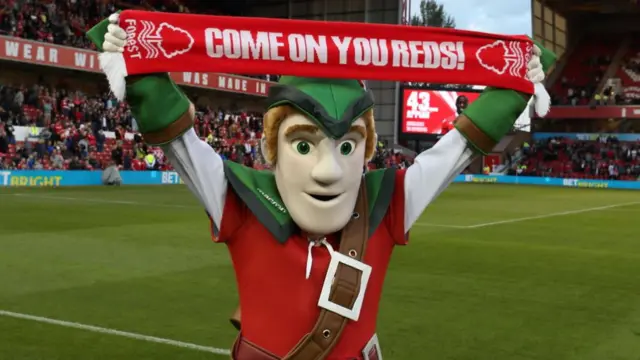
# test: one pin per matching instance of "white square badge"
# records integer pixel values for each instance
(324, 302)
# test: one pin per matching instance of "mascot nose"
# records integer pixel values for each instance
(327, 171)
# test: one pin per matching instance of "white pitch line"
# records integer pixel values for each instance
(124, 202)
(545, 216)
(476, 226)
(102, 201)
(441, 225)
(129, 335)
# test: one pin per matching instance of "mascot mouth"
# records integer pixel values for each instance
(324, 198)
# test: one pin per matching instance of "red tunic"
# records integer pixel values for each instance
(279, 305)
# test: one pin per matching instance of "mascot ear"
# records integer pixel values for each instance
(265, 151)
(375, 148)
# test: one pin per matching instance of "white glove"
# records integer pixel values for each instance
(116, 38)
(112, 61)
(535, 73)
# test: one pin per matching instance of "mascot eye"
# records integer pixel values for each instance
(302, 147)
(347, 147)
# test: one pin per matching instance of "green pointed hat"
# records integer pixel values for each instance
(333, 104)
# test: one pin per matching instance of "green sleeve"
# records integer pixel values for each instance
(494, 113)
(156, 102)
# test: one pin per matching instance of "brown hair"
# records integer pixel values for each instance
(274, 117)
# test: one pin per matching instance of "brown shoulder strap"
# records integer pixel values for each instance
(328, 328)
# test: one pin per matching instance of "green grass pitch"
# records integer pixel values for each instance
(492, 273)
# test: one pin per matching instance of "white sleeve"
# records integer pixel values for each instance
(432, 171)
(202, 169)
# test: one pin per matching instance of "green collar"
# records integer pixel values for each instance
(258, 191)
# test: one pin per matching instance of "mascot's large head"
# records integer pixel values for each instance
(318, 136)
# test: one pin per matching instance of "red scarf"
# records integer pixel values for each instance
(167, 42)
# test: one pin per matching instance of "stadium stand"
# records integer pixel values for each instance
(588, 62)
(75, 123)
(90, 130)
(606, 158)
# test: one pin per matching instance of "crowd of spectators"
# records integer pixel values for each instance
(65, 22)
(75, 129)
(43, 105)
(606, 158)
(76, 126)
(81, 131)
(583, 95)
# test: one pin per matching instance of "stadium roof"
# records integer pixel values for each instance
(231, 7)
(595, 6)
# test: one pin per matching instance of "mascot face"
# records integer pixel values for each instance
(319, 177)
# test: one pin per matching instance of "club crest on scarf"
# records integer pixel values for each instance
(500, 57)
(151, 39)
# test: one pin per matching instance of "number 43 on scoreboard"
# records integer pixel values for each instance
(419, 105)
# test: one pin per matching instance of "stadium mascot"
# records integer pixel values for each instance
(311, 240)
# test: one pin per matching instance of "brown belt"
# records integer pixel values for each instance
(324, 336)
(246, 350)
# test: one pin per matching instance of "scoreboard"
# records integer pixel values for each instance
(432, 112)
